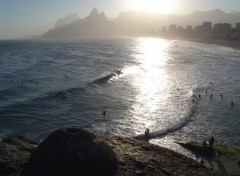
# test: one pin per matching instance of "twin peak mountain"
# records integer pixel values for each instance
(97, 25)
(93, 26)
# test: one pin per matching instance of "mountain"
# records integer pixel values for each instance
(66, 20)
(214, 16)
(93, 26)
(132, 23)
(140, 22)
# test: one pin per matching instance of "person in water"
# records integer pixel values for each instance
(221, 96)
(147, 131)
(104, 113)
(211, 96)
(232, 104)
(199, 96)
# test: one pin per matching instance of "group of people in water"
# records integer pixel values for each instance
(211, 96)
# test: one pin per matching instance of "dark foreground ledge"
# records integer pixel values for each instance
(70, 152)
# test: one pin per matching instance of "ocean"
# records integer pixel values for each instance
(172, 87)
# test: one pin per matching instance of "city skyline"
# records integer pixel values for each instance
(35, 17)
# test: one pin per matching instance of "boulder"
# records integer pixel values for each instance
(71, 152)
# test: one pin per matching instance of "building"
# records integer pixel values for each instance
(207, 27)
(222, 29)
(238, 26)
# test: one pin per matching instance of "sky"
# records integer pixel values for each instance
(21, 18)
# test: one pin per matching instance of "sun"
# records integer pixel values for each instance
(156, 6)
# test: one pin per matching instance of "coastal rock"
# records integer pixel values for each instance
(72, 152)
(14, 153)
(142, 158)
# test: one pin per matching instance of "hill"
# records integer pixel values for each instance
(132, 23)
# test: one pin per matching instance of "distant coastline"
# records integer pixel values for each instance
(224, 43)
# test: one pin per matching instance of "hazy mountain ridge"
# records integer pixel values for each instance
(67, 20)
(132, 22)
(214, 16)
(94, 25)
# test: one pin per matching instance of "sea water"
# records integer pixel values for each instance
(163, 85)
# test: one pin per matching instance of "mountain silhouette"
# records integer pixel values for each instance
(66, 20)
(93, 26)
(97, 25)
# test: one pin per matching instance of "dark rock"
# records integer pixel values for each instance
(71, 152)
(14, 153)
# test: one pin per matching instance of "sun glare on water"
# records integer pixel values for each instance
(156, 6)
(150, 80)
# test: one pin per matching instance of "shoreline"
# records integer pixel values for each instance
(224, 43)
(221, 158)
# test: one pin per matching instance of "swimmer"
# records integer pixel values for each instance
(104, 113)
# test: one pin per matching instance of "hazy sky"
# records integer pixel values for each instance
(19, 18)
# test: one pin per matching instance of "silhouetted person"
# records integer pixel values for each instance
(221, 96)
(199, 96)
(104, 113)
(204, 143)
(232, 104)
(211, 142)
(210, 82)
(197, 157)
(147, 131)
(211, 96)
(202, 162)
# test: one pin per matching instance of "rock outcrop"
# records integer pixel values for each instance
(71, 151)
(14, 153)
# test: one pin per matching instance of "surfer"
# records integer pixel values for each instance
(147, 132)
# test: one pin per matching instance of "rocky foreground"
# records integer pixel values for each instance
(70, 152)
